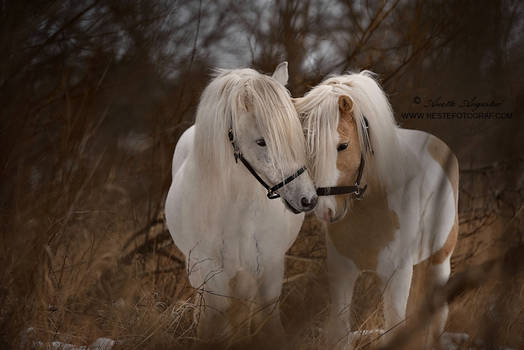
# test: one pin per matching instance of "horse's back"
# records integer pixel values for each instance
(442, 154)
(439, 193)
(429, 149)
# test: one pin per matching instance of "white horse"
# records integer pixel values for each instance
(389, 195)
(247, 136)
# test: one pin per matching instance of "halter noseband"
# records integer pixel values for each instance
(271, 191)
(356, 190)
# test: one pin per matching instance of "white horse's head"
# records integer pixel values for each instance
(265, 129)
(347, 120)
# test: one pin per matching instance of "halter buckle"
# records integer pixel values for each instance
(360, 192)
(272, 195)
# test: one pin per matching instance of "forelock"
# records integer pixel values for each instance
(319, 113)
(277, 120)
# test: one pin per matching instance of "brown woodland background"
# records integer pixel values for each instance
(94, 95)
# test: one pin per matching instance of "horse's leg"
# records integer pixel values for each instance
(212, 323)
(439, 275)
(343, 274)
(268, 298)
(211, 284)
(396, 284)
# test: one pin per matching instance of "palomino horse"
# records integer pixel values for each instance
(246, 148)
(389, 195)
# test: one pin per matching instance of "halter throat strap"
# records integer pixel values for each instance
(271, 191)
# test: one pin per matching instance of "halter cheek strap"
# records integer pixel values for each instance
(271, 191)
(356, 190)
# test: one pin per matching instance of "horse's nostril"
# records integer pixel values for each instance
(305, 202)
(309, 203)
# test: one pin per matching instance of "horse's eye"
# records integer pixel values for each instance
(342, 146)
(261, 142)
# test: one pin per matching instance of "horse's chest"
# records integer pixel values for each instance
(366, 230)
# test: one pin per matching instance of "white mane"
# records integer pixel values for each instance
(224, 100)
(319, 110)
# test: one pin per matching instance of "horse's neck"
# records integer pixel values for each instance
(233, 186)
(371, 178)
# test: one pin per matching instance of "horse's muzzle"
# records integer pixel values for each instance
(291, 208)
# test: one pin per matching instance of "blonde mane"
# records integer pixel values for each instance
(229, 95)
(320, 114)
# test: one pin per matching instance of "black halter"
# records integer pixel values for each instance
(271, 191)
(356, 190)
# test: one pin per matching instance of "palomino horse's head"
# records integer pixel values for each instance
(251, 115)
(342, 118)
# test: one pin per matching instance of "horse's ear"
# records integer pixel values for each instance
(281, 75)
(345, 105)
